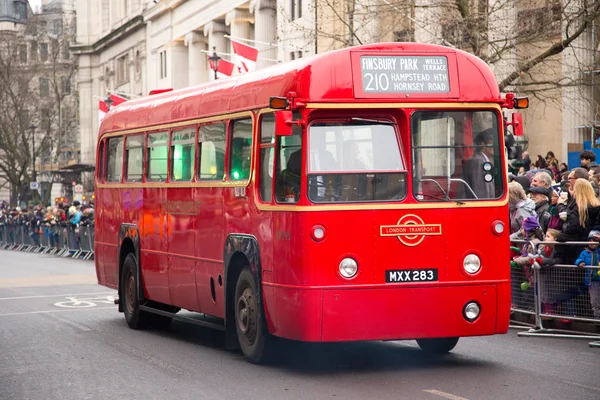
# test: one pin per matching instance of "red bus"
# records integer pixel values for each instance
(359, 194)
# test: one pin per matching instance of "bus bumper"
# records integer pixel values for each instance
(385, 312)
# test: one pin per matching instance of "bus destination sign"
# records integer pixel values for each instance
(404, 74)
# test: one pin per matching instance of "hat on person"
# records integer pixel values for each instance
(76, 203)
(524, 181)
(593, 235)
(540, 190)
(531, 223)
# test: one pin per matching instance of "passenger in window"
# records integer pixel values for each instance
(289, 181)
(354, 186)
(352, 160)
(473, 172)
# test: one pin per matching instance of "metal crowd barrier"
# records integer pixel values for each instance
(556, 292)
(64, 241)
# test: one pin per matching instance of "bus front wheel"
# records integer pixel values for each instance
(437, 346)
(136, 319)
(253, 337)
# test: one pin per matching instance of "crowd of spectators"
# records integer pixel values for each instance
(547, 201)
(39, 220)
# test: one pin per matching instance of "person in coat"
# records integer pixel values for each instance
(473, 172)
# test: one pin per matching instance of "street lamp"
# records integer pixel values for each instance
(108, 101)
(214, 61)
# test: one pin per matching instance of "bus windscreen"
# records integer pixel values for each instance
(355, 162)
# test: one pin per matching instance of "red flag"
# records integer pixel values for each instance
(225, 68)
(245, 56)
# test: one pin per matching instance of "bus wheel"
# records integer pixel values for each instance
(437, 346)
(249, 321)
(135, 318)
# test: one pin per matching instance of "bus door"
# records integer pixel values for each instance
(181, 217)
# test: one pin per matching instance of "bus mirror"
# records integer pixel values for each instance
(283, 123)
(517, 124)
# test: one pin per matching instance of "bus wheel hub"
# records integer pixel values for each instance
(246, 318)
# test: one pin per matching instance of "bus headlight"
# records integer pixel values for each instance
(471, 311)
(348, 268)
(471, 264)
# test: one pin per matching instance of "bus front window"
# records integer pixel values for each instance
(356, 161)
(456, 156)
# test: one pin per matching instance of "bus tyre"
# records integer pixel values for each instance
(437, 346)
(251, 329)
(136, 319)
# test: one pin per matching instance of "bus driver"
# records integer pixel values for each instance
(473, 172)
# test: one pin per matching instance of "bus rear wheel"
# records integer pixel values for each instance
(253, 337)
(136, 319)
(437, 346)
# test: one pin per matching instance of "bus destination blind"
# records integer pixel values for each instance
(404, 74)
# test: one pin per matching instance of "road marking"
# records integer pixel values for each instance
(85, 302)
(55, 295)
(444, 394)
(49, 280)
(53, 311)
(583, 386)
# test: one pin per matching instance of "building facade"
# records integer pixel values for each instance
(140, 45)
(37, 60)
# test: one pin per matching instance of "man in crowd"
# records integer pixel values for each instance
(588, 159)
(540, 195)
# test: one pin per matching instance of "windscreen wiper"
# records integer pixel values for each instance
(377, 121)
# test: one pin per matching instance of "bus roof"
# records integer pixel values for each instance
(332, 77)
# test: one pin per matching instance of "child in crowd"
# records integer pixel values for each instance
(591, 257)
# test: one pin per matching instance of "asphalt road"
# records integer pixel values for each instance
(62, 338)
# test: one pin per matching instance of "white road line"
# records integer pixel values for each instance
(54, 295)
(54, 311)
(444, 394)
(583, 386)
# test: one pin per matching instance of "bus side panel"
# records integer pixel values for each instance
(99, 247)
(112, 219)
(154, 260)
(208, 247)
(181, 237)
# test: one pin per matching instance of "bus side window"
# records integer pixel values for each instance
(102, 161)
(240, 149)
(211, 152)
(289, 167)
(134, 158)
(267, 156)
(157, 157)
(115, 160)
(182, 155)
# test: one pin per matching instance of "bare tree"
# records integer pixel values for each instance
(515, 36)
(37, 103)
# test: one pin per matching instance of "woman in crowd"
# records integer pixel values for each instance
(582, 210)
(519, 205)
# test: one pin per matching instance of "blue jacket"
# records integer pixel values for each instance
(76, 218)
(590, 257)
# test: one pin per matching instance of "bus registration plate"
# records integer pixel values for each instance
(411, 275)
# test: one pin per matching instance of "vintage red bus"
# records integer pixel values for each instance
(359, 194)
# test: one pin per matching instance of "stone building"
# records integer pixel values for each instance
(46, 106)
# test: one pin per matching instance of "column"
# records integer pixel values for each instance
(197, 60)
(265, 30)
(88, 123)
(216, 31)
(577, 61)
(239, 22)
(502, 20)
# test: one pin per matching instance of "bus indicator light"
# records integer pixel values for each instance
(348, 268)
(498, 228)
(318, 233)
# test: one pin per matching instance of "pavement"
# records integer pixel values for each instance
(62, 338)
